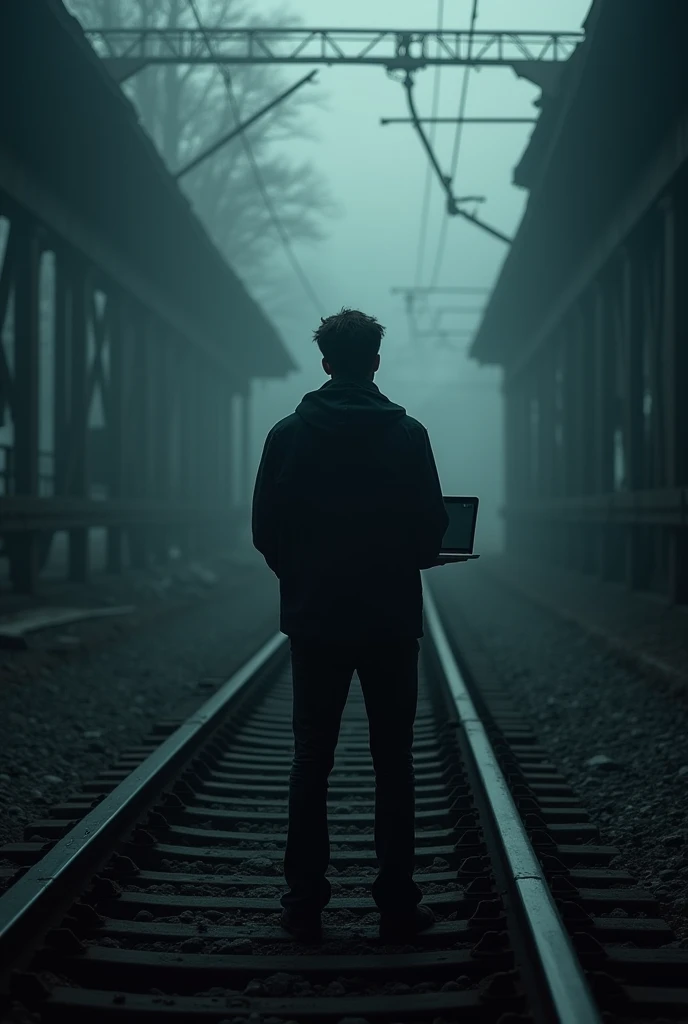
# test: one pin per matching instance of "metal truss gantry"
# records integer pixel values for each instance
(126, 50)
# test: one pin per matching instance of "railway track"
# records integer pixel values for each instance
(152, 894)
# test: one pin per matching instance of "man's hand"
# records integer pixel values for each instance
(449, 560)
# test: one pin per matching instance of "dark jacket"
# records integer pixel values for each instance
(347, 509)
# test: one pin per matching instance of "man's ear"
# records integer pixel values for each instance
(376, 363)
(326, 367)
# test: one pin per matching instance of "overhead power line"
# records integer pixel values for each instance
(279, 227)
(455, 120)
(453, 208)
(457, 142)
(239, 128)
(448, 290)
(420, 260)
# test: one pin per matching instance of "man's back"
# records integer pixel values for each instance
(347, 509)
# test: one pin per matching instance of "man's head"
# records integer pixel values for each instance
(350, 344)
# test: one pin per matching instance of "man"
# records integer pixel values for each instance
(347, 510)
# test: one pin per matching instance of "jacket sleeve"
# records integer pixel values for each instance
(431, 515)
(265, 512)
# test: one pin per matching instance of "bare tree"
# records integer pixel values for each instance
(185, 108)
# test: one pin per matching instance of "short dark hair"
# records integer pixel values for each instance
(349, 341)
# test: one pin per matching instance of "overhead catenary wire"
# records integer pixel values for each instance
(260, 183)
(422, 241)
(456, 148)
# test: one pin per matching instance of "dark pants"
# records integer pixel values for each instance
(321, 673)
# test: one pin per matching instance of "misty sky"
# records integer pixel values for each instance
(377, 175)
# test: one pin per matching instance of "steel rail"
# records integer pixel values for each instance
(568, 992)
(61, 872)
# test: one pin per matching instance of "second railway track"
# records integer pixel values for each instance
(153, 893)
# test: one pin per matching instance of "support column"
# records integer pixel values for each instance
(586, 435)
(631, 326)
(226, 436)
(25, 545)
(78, 420)
(545, 442)
(186, 384)
(136, 435)
(246, 446)
(572, 454)
(516, 465)
(222, 498)
(203, 460)
(159, 425)
(61, 369)
(116, 342)
(604, 402)
(675, 364)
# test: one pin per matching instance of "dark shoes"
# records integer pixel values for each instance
(304, 927)
(402, 927)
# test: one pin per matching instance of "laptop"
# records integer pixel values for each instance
(457, 543)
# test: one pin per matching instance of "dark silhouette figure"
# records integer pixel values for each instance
(347, 510)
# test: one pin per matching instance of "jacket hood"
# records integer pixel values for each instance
(348, 407)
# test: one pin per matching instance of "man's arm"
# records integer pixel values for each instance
(265, 514)
(432, 516)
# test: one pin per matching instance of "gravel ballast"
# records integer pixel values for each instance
(66, 716)
(620, 742)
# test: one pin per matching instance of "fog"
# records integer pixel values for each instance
(377, 175)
